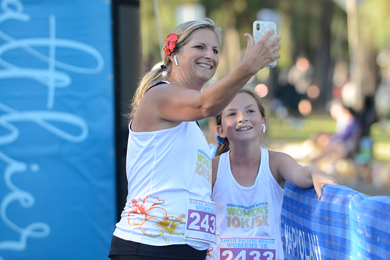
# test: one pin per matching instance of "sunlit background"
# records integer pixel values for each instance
(331, 50)
(69, 68)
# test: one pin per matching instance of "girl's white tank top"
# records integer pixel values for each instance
(248, 218)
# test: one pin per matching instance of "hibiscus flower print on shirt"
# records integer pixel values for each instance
(152, 219)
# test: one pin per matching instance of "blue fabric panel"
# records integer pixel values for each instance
(344, 224)
(57, 154)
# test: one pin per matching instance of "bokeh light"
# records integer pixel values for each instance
(323, 140)
(382, 59)
(303, 64)
(313, 92)
(304, 107)
(262, 90)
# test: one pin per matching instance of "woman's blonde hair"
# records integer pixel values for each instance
(222, 148)
(183, 31)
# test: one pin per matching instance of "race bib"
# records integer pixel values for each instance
(247, 249)
(201, 221)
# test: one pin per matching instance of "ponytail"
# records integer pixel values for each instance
(147, 81)
(222, 148)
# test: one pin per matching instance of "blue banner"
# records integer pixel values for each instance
(344, 224)
(57, 154)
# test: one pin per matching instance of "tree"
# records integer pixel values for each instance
(315, 29)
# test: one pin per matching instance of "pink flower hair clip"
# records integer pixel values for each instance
(170, 43)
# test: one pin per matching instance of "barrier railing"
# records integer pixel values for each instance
(344, 224)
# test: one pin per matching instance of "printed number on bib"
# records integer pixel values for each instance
(201, 219)
(207, 224)
(247, 254)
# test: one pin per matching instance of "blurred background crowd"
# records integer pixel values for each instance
(328, 99)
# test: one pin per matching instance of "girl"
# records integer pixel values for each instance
(248, 183)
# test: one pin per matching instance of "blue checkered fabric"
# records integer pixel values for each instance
(344, 224)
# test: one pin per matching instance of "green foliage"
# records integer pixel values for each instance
(288, 131)
(299, 131)
(379, 134)
(310, 28)
(300, 26)
(339, 28)
(149, 33)
(374, 23)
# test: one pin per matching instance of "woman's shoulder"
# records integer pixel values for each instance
(163, 89)
(160, 90)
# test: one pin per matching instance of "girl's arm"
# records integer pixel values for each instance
(302, 176)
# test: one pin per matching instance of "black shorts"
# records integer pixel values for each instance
(128, 250)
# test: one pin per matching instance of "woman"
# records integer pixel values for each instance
(169, 213)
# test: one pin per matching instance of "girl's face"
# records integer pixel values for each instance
(242, 120)
(199, 56)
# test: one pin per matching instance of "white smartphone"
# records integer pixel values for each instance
(259, 29)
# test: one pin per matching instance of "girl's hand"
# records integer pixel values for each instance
(320, 179)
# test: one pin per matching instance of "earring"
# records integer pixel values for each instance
(174, 57)
(263, 126)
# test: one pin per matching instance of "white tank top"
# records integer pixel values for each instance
(248, 218)
(165, 169)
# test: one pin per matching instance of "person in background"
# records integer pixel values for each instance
(364, 156)
(248, 182)
(343, 144)
(168, 159)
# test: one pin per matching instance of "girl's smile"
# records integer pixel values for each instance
(242, 120)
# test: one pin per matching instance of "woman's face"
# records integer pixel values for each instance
(200, 55)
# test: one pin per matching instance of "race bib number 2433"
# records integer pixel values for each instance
(201, 221)
(247, 249)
